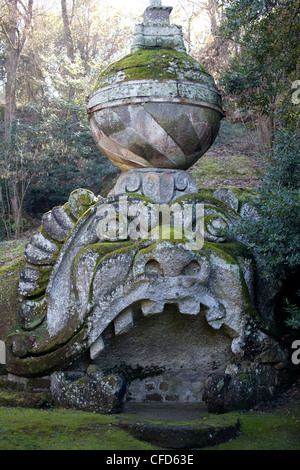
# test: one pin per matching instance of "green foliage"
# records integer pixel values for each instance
(262, 71)
(275, 233)
(293, 310)
(66, 155)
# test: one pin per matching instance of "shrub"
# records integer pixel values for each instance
(275, 234)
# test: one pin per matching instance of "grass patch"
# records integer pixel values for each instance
(11, 251)
(214, 170)
(271, 430)
(29, 429)
(230, 161)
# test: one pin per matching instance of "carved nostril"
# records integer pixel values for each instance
(153, 266)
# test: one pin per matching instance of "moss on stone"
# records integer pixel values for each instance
(24, 399)
(205, 197)
(229, 251)
(80, 201)
(139, 197)
(9, 307)
(153, 64)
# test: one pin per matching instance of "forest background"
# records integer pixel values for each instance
(52, 51)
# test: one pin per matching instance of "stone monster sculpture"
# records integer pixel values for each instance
(141, 295)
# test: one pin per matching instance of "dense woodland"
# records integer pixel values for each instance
(51, 53)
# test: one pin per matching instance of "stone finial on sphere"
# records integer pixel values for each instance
(155, 3)
(156, 107)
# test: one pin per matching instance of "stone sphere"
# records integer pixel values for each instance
(155, 108)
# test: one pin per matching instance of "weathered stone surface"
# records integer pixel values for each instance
(91, 392)
(80, 201)
(124, 321)
(156, 31)
(128, 289)
(243, 388)
(148, 139)
(227, 196)
(9, 302)
(96, 347)
(156, 107)
(41, 250)
(96, 283)
(160, 186)
(249, 211)
(32, 312)
(185, 434)
(33, 280)
(57, 223)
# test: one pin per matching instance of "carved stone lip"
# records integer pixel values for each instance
(157, 91)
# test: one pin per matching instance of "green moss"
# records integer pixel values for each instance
(229, 252)
(205, 197)
(11, 252)
(151, 64)
(42, 282)
(140, 197)
(25, 399)
(102, 250)
(81, 200)
(211, 170)
(9, 307)
(268, 430)
(31, 429)
(210, 419)
(67, 209)
(243, 194)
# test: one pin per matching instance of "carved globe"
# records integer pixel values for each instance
(156, 108)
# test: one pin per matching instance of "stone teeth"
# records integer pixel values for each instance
(124, 321)
(150, 307)
(96, 347)
(189, 306)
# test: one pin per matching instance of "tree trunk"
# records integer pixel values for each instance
(11, 66)
(67, 30)
(69, 40)
(213, 11)
(15, 43)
